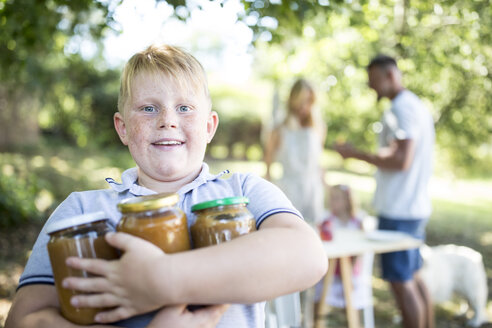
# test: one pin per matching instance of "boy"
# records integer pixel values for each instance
(165, 118)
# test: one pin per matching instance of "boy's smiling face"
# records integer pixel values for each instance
(166, 127)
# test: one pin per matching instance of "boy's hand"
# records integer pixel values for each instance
(126, 285)
(179, 317)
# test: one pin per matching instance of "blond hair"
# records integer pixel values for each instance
(299, 86)
(174, 62)
(345, 190)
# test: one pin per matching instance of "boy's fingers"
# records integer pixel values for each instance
(89, 285)
(212, 312)
(181, 308)
(117, 314)
(95, 301)
(220, 310)
(124, 241)
(95, 266)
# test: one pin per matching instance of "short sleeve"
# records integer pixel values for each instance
(266, 199)
(406, 126)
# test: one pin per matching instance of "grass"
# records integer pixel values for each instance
(462, 213)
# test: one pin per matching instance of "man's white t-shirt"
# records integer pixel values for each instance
(404, 194)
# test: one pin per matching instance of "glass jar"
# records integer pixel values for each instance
(221, 220)
(156, 218)
(326, 230)
(79, 236)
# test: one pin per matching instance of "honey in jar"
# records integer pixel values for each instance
(156, 218)
(79, 236)
(221, 220)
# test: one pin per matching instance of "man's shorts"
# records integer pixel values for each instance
(400, 266)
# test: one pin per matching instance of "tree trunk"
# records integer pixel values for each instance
(18, 118)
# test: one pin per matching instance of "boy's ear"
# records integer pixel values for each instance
(212, 124)
(119, 125)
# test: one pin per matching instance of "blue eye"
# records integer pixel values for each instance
(184, 109)
(149, 109)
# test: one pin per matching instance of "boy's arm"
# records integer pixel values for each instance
(284, 256)
(37, 306)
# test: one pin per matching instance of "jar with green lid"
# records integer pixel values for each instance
(78, 236)
(157, 219)
(221, 220)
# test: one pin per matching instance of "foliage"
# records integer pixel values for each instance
(17, 199)
(43, 28)
(237, 132)
(81, 102)
(34, 182)
(36, 38)
(443, 48)
(332, 42)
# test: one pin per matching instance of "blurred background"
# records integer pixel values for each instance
(60, 62)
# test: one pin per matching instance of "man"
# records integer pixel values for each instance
(404, 163)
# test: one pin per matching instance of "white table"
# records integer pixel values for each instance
(347, 243)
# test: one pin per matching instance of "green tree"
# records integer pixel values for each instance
(443, 47)
(34, 36)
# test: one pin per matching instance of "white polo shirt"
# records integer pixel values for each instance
(404, 194)
(265, 199)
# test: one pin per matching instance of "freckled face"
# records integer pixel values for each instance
(166, 128)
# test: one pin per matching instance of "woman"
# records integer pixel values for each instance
(297, 143)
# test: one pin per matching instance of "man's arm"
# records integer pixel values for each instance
(398, 156)
(284, 256)
(37, 306)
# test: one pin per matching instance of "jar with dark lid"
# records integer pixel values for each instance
(157, 219)
(221, 220)
(79, 236)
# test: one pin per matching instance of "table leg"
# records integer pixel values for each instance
(327, 281)
(346, 275)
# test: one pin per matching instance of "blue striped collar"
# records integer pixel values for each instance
(129, 182)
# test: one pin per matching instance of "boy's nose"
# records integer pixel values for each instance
(168, 119)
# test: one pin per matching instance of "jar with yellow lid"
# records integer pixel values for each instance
(157, 219)
(79, 236)
(221, 220)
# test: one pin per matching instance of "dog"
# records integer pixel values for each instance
(450, 269)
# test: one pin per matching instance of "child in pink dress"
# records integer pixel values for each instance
(342, 215)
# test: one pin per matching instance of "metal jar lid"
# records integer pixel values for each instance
(220, 202)
(148, 203)
(74, 221)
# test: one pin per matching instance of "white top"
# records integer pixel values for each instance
(404, 194)
(299, 153)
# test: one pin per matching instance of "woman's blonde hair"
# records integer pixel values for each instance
(171, 61)
(299, 86)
